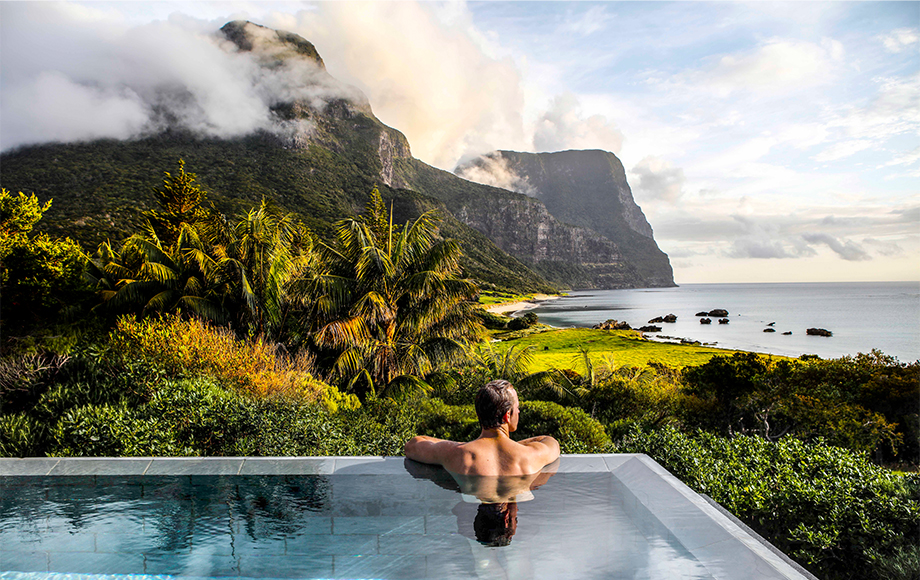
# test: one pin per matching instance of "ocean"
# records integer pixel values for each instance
(861, 315)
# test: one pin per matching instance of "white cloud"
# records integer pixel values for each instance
(425, 70)
(95, 76)
(564, 126)
(779, 65)
(492, 169)
(658, 179)
(587, 23)
(906, 159)
(901, 39)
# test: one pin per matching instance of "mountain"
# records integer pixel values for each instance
(587, 189)
(319, 156)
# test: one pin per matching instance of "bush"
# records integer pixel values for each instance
(829, 508)
(524, 321)
(576, 431)
(190, 347)
(492, 321)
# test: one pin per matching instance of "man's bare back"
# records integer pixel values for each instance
(493, 452)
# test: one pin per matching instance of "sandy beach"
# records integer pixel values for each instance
(512, 307)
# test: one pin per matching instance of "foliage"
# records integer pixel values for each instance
(576, 431)
(389, 305)
(829, 508)
(526, 320)
(867, 403)
(189, 347)
(39, 276)
(492, 321)
(180, 200)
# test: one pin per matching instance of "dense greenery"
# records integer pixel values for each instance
(207, 335)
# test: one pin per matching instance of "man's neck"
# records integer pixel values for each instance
(502, 431)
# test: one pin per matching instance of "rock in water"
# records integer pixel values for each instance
(718, 313)
(769, 329)
(705, 321)
(723, 321)
(819, 332)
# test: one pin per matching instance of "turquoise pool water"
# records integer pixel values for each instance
(409, 523)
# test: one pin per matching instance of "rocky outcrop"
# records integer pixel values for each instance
(612, 325)
(818, 332)
(768, 329)
(584, 188)
(666, 318)
(723, 321)
(649, 328)
(718, 313)
(705, 321)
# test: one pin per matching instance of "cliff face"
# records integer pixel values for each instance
(587, 189)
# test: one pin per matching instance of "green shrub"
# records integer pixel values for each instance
(575, 430)
(492, 321)
(829, 508)
(526, 320)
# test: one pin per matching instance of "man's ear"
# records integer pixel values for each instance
(506, 418)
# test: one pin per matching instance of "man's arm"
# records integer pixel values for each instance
(545, 447)
(429, 449)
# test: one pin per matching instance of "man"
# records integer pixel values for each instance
(493, 453)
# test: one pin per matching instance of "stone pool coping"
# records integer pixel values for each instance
(716, 538)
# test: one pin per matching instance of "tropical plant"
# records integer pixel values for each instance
(389, 305)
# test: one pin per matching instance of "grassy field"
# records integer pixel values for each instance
(561, 349)
(490, 298)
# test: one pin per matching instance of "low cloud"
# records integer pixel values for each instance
(586, 23)
(95, 77)
(760, 249)
(564, 126)
(492, 169)
(426, 71)
(848, 250)
(884, 248)
(658, 179)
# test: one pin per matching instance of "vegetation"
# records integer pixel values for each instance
(201, 334)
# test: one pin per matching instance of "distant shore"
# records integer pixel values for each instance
(509, 308)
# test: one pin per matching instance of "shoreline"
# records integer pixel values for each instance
(509, 308)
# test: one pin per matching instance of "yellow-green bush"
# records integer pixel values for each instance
(191, 347)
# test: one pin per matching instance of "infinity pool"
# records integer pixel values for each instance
(612, 516)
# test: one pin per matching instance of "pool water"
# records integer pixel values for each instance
(412, 522)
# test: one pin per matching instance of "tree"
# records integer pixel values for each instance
(389, 304)
(180, 201)
(38, 275)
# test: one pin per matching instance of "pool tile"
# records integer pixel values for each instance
(379, 525)
(202, 565)
(287, 466)
(33, 466)
(101, 466)
(245, 544)
(370, 465)
(440, 524)
(24, 561)
(391, 567)
(291, 566)
(409, 544)
(95, 563)
(581, 464)
(126, 542)
(345, 545)
(195, 466)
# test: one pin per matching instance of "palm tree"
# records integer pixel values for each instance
(147, 276)
(389, 303)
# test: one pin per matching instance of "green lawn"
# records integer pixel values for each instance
(488, 298)
(561, 349)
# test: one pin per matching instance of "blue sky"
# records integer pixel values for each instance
(764, 141)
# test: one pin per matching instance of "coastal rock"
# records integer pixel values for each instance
(650, 329)
(612, 325)
(670, 318)
(718, 313)
(787, 333)
(819, 332)
(768, 329)
(723, 321)
(705, 321)
(771, 324)
(704, 313)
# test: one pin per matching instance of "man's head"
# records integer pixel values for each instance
(497, 403)
(495, 523)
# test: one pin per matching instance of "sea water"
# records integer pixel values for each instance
(861, 315)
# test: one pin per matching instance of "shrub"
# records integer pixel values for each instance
(576, 431)
(526, 320)
(492, 321)
(191, 347)
(829, 508)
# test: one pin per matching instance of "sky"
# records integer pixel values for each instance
(764, 141)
